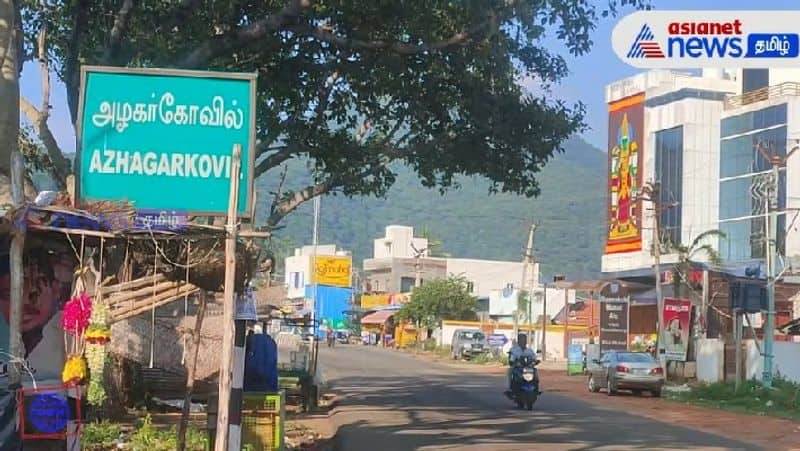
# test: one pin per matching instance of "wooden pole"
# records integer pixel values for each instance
(225, 373)
(16, 270)
(187, 398)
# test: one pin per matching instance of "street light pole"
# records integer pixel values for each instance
(772, 251)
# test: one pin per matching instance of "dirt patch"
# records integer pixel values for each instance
(771, 433)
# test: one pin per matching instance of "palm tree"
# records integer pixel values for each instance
(687, 255)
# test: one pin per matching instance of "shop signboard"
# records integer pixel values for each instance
(333, 271)
(613, 326)
(675, 331)
(165, 140)
(496, 340)
(49, 412)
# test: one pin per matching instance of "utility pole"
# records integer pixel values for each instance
(314, 286)
(418, 253)
(772, 250)
(527, 260)
(652, 193)
(544, 324)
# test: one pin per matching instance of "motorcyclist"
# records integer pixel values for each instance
(519, 350)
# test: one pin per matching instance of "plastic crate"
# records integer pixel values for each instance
(262, 421)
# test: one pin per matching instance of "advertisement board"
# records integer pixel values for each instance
(333, 271)
(625, 147)
(675, 331)
(165, 141)
(613, 326)
(574, 359)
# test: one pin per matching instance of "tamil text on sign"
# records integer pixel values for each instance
(163, 139)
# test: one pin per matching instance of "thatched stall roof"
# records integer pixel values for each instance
(164, 246)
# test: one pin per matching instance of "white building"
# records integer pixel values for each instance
(698, 142)
(549, 301)
(394, 268)
(298, 267)
(679, 147)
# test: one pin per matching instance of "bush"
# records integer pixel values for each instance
(782, 400)
(149, 438)
(100, 435)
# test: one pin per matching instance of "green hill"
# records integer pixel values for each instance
(468, 221)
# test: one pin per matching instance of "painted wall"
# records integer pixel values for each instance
(710, 360)
(786, 362)
(297, 268)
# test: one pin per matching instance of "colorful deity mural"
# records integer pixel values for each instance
(625, 132)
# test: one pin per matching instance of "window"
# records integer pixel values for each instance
(296, 279)
(406, 284)
(669, 172)
(754, 120)
(635, 357)
(739, 197)
(753, 79)
(470, 287)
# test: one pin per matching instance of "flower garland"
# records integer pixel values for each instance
(97, 336)
(75, 321)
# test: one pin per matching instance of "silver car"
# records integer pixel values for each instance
(619, 370)
(467, 344)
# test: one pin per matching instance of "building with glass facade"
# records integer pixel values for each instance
(680, 150)
(742, 194)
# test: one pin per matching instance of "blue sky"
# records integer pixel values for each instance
(590, 73)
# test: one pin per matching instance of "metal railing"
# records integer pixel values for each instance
(789, 88)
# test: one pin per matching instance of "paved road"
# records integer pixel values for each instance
(392, 401)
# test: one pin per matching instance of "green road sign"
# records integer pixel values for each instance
(163, 139)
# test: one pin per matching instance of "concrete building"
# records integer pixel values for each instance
(297, 272)
(698, 140)
(676, 142)
(394, 266)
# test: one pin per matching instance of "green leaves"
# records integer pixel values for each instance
(440, 299)
(353, 86)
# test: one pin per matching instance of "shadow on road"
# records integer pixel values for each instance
(463, 411)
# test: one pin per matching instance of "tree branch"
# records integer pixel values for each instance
(39, 118)
(275, 159)
(324, 34)
(227, 42)
(287, 19)
(118, 31)
(58, 170)
(290, 203)
(72, 65)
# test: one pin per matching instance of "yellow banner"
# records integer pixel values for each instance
(369, 301)
(333, 271)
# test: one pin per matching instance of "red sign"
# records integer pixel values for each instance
(675, 331)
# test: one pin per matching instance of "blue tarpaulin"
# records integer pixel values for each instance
(261, 364)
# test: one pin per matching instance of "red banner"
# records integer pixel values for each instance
(675, 331)
(625, 146)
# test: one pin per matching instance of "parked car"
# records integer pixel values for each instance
(619, 370)
(342, 336)
(467, 344)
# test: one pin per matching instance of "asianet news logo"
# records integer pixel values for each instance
(660, 41)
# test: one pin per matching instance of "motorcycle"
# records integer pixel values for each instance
(525, 382)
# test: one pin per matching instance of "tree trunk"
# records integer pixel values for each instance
(190, 374)
(10, 39)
